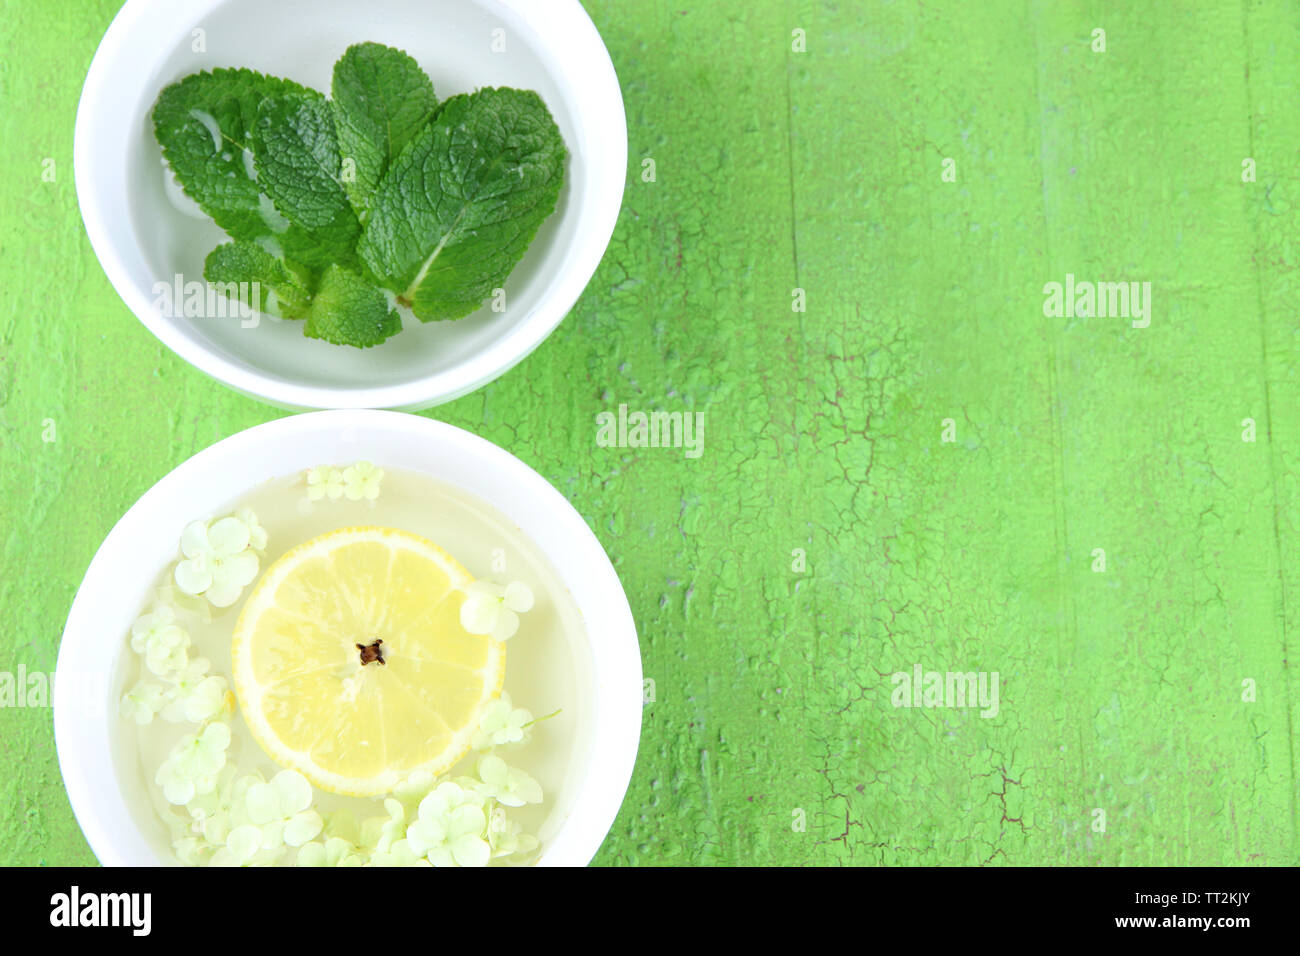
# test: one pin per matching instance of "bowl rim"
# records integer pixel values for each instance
(599, 96)
(85, 705)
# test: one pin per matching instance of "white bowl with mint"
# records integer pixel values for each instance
(326, 204)
(349, 638)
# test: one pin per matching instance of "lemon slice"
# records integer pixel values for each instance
(351, 664)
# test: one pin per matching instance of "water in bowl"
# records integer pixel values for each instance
(547, 670)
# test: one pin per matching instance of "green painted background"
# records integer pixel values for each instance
(821, 170)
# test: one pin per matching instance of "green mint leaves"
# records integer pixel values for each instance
(332, 201)
(234, 268)
(348, 310)
(299, 167)
(381, 100)
(204, 124)
(457, 210)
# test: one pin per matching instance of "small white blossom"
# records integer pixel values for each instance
(324, 482)
(505, 784)
(244, 847)
(195, 696)
(220, 557)
(362, 481)
(191, 850)
(378, 834)
(282, 808)
(194, 763)
(451, 829)
(414, 789)
(400, 854)
(162, 642)
(492, 609)
(506, 836)
(502, 724)
(143, 701)
(333, 852)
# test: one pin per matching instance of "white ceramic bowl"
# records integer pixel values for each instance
(142, 238)
(100, 762)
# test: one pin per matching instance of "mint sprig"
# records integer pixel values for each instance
(460, 205)
(204, 124)
(298, 166)
(347, 310)
(238, 268)
(381, 100)
(332, 201)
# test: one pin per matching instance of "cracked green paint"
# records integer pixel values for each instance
(821, 170)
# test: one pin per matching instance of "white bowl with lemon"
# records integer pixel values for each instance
(345, 720)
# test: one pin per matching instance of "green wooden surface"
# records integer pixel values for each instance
(775, 170)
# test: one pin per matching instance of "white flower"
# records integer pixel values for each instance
(399, 854)
(362, 481)
(324, 482)
(244, 847)
(414, 789)
(143, 701)
(210, 812)
(506, 837)
(195, 696)
(282, 808)
(216, 813)
(256, 533)
(191, 850)
(220, 557)
(505, 784)
(380, 833)
(492, 609)
(333, 852)
(221, 832)
(194, 763)
(451, 828)
(163, 642)
(502, 724)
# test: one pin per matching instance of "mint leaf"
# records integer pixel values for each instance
(247, 272)
(298, 167)
(348, 310)
(381, 100)
(457, 210)
(203, 124)
(325, 199)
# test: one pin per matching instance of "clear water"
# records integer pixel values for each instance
(547, 665)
